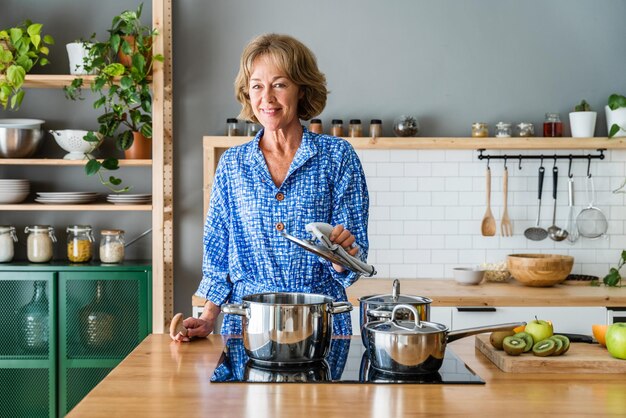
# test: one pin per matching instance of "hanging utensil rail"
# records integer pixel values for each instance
(546, 157)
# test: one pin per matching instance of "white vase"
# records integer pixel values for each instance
(77, 52)
(617, 116)
(582, 124)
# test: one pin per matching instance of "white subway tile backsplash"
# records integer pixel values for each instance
(404, 156)
(416, 256)
(390, 169)
(445, 199)
(417, 169)
(403, 184)
(403, 270)
(418, 198)
(431, 184)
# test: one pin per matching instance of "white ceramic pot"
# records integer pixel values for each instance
(77, 52)
(583, 124)
(617, 116)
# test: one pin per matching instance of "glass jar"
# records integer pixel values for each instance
(316, 126)
(480, 130)
(97, 321)
(336, 128)
(252, 128)
(232, 127)
(552, 126)
(355, 129)
(503, 130)
(112, 246)
(7, 240)
(79, 239)
(39, 244)
(376, 128)
(34, 329)
(525, 129)
(406, 126)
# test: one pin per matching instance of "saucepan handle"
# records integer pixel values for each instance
(234, 309)
(340, 307)
(462, 333)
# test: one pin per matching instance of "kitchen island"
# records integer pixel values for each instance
(161, 378)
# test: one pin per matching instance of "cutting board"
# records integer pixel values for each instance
(580, 358)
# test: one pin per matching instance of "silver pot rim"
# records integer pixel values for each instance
(389, 299)
(316, 298)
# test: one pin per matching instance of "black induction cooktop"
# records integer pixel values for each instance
(346, 363)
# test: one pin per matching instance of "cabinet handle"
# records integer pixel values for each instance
(476, 309)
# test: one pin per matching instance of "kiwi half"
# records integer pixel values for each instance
(565, 340)
(497, 337)
(544, 348)
(513, 345)
(527, 338)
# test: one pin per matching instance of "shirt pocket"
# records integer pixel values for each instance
(314, 207)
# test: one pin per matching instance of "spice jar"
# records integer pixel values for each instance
(252, 128)
(355, 129)
(525, 129)
(7, 240)
(552, 126)
(232, 127)
(480, 130)
(316, 126)
(503, 130)
(112, 246)
(39, 243)
(79, 239)
(376, 128)
(336, 128)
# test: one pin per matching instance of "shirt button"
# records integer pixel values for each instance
(280, 226)
(280, 197)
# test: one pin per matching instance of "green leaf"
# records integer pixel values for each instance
(98, 103)
(44, 61)
(15, 34)
(616, 101)
(115, 42)
(114, 70)
(146, 130)
(16, 75)
(44, 50)
(91, 137)
(36, 40)
(111, 164)
(115, 181)
(126, 82)
(48, 39)
(614, 130)
(92, 167)
(124, 141)
(34, 29)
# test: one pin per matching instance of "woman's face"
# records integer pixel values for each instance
(273, 96)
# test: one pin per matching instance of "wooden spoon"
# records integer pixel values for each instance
(488, 225)
(176, 326)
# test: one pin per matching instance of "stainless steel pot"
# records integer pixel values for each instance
(414, 347)
(286, 328)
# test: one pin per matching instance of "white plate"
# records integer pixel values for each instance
(73, 200)
(66, 194)
(129, 196)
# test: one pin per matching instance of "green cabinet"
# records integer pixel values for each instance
(95, 315)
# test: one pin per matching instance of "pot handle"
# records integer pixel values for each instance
(234, 309)
(466, 332)
(340, 307)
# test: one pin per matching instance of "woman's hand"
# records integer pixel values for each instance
(343, 237)
(199, 327)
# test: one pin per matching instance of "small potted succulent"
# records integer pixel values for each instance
(21, 48)
(582, 121)
(616, 115)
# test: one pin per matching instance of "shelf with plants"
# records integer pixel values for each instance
(67, 163)
(94, 207)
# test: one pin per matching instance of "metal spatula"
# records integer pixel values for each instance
(536, 233)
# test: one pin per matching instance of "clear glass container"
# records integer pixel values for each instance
(40, 243)
(316, 126)
(97, 320)
(336, 128)
(480, 130)
(525, 129)
(34, 329)
(112, 246)
(406, 126)
(355, 129)
(252, 128)
(79, 240)
(376, 128)
(552, 126)
(7, 243)
(232, 127)
(503, 130)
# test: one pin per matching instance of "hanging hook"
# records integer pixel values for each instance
(588, 165)
(505, 157)
(520, 161)
(488, 161)
(569, 168)
(541, 163)
(554, 165)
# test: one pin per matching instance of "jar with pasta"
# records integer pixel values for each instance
(112, 246)
(79, 240)
(40, 242)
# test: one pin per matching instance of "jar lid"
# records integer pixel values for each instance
(479, 125)
(40, 227)
(78, 228)
(376, 121)
(337, 121)
(316, 121)
(111, 232)
(355, 121)
(6, 228)
(503, 125)
(524, 124)
(553, 115)
(232, 120)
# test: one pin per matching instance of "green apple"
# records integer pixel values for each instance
(616, 340)
(539, 329)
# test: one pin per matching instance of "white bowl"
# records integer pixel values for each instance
(468, 275)
(13, 197)
(71, 140)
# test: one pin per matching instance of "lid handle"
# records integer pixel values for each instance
(416, 316)
(395, 291)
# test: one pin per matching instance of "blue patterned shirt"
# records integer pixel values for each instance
(244, 252)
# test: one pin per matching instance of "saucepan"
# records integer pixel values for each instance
(414, 347)
(286, 328)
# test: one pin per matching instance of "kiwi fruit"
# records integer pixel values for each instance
(497, 337)
(544, 348)
(559, 346)
(527, 338)
(565, 341)
(513, 345)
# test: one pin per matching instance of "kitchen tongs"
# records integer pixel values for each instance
(321, 245)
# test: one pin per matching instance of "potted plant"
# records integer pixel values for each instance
(616, 115)
(78, 53)
(21, 48)
(582, 120)
(123, 93)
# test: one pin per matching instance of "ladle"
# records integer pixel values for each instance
(536, 233)
(554, 232)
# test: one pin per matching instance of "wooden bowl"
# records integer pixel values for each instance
(539, 270)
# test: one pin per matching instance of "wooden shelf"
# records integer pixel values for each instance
(55, 81)
(92, 207)
(69, 163)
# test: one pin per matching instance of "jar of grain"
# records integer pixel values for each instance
(480, 130)
(39, 244)
(376, 128)
(79, 239)
(316, 126)
(7, 240)
(336, 128)
(232, 127)
(355, 128)
(112, 246)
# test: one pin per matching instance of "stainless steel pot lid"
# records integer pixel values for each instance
(398, 327)
(395, 297)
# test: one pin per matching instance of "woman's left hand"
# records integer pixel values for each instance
(343, 237)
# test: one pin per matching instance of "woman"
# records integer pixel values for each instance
(284, 179)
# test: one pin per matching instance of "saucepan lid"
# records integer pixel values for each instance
(411, 327)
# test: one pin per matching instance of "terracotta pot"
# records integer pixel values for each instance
(141, 148)
(127, 60)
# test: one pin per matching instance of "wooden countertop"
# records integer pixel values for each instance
(450, 293)
(161, 378)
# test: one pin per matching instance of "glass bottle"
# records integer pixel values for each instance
(34, 326)
(376, 128)
(355, 129)
(480, 130)
(7, 240)
(552, 126)
(252, 128)
(336, 128)
(525, 129)
(316, 126)
(503, 130)
(39, 243)
(232, 127)
(96, 321)
(112, 246)
(79, 239)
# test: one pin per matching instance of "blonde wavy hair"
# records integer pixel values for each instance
(296, 61)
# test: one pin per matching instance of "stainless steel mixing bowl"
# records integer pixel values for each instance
(20, 138)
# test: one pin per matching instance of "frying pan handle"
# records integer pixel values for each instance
(235, 309)
(542, 172)
(340, 307)
(462, 333)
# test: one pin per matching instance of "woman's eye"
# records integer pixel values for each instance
(279, 85)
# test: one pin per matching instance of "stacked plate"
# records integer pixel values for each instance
(66, 198)
(14, 191)
(130, 199)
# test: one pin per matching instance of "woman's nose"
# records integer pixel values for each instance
(268, 95)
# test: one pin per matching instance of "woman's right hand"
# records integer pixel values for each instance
(199, 327)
